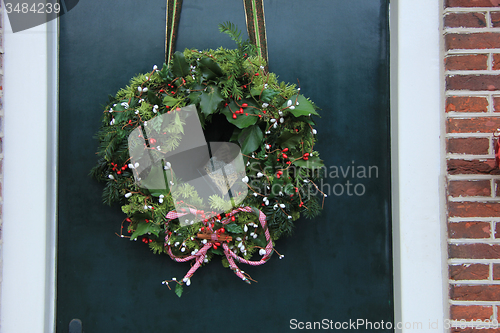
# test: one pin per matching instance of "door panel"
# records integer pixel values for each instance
(337, 266)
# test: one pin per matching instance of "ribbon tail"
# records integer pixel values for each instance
(200, 256)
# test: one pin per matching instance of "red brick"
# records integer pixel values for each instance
(466, 20)
(473, 125)
(466, 62)
(474, 146)
(469, 272)
(474, 209)
(469, 188)
(466, 104)
(496, 62)
(471, 312)
(472, 3)
(469, 230)
(474, 251)
(495, 19)
(473, 82)
(484, 40)
(497, 230)
(475, 293)
(496, 271)
(466, 167)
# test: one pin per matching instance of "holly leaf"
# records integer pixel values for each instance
(234, 228)
(304, 107)
(122, 116)
(289, 140)
(234, 136)
(312, 163)
(209, 69)
(143, 228)
(153, 99)
(170, 101)
(180, 67)
(250, 139)
(260, 241)
(266, 96)
(242, 120)
(194, 97)
(210, 99)
(178, 289)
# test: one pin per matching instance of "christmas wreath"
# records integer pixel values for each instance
(257, 193)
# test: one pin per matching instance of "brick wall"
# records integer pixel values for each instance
(472, 70)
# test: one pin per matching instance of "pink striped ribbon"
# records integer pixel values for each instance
(230, 255)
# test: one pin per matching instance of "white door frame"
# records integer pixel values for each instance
(30, 155)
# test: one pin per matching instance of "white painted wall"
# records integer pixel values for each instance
(30, 62)
(419, 232)
(30, 65)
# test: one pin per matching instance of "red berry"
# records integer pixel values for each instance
(244, 86)
(285, 150)
(217, 243)
(260, 116)
(306, 154)
(244, 104)
(264, 111)
(128, 219)
(285, 156)
(241, 110)
(124, 167)
(119, 172)
(215, 247)
(222, 230)
(233, 218)
(234, 115)
(306, 158)
(256, 74)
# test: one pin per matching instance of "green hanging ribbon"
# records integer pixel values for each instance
(173, 16)
(255, 20)
(256, 25)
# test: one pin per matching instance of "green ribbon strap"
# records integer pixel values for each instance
(173, 16)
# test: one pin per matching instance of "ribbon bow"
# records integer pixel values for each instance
(215, 238)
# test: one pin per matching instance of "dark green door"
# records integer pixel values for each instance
(337, 267)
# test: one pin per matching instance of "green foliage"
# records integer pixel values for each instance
(178, 290)
(272, 129)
